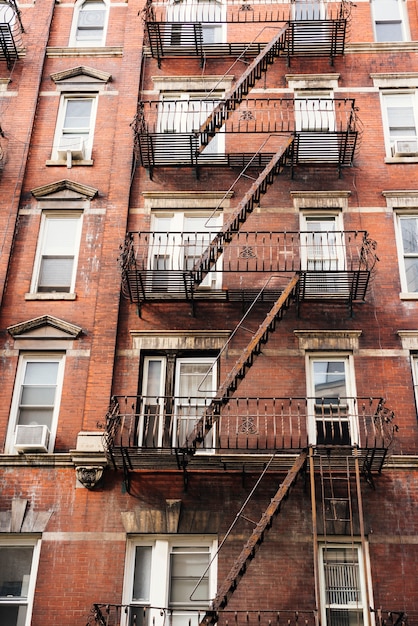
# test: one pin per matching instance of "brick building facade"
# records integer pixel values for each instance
(209, 323)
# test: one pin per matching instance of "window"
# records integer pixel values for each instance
(194, 20)
(331, 403)
(323, 254)
(89, 23)
(56, 258)
(408, 244)
(343, 585)
(17, 581)
(400, 113)
(178, 240)
(184, 113)
(35, 404)
(174, 574)
(174, 392)
(315, 113)
(74, 131)
(389, 20)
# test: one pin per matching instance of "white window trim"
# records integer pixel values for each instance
(214, 222)
(350, 380)
(405, 294)
(388, 143)
(73, 34)
(36, 543)
(88, 146)
(47, 214)
(403, 17)
(414, 366)
(365, 576)
(161, 546)
(14, 411)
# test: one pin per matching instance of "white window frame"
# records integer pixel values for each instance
(389, 97)
(158, 392)
(414, 364)
(363, 579)
(401, 254)
(350, 386)
(178, 224)
(211, 14)
(24, 359)
(86, 133)
(387, 12)
(161, 547)
(78, 9)
(56, 215)
(27, 600)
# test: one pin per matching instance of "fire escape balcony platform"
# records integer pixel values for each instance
(333, 265)
(169, 132)
(152, 433)
(10, 32)
(308, 38)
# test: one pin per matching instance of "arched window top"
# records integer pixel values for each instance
(90, 21)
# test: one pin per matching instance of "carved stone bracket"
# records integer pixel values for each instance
(89, 475)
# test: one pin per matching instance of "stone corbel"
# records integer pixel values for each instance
(89, 475)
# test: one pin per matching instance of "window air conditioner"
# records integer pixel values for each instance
(71, 147)
(32, 438)
(405, 147)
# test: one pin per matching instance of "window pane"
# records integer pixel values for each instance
(60, 235)
(389, 31)
(142, 575)
(42, 396)
(55, 274)
(16, 563)
(36, 416)
(187, 567)
(12, 615)
(409, 228)
(329, 379)
(77, 114)
(411, 270)
(41, 373)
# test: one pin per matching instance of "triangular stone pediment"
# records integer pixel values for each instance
(81, 74)
(45, 327)
(64, 190)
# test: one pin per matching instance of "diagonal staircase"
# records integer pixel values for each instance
(242, 87)
(246, 360)
(238, 217)
(254, 542)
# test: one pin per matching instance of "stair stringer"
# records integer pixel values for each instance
(216, 247)
(246, 360)
(254, 542)
(242, 87)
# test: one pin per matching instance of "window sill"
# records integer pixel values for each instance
(408, 296)
(74, 163)
(53, 295)
(411, 159)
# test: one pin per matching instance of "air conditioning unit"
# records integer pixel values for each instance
(405, 147)
(72, 147)
(32, 438)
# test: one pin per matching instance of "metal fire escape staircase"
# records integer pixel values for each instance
(238, 372)
(242, 87)
(254, 542)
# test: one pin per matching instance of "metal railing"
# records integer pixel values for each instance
(238, 11)
(137, 615)
(250, 424)
(257, 251)
(252, 115)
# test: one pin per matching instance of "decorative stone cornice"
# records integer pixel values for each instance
(328, 339)
(24, 329)
(81, 70)
(60, 185)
